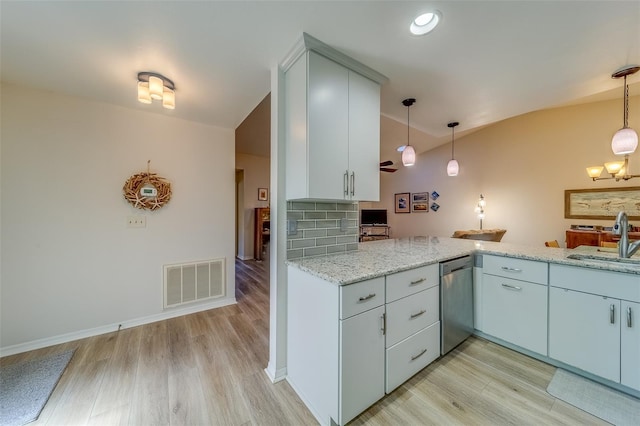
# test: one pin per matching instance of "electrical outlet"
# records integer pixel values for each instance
(292, 227)
(344, 224)
(137, 221)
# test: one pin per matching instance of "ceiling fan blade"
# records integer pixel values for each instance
(386, 163)
(388, 170)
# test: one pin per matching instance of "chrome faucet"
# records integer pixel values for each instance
(621, 227)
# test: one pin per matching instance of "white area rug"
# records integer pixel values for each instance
(601, 401)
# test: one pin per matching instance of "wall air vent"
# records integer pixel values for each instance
(193, 282)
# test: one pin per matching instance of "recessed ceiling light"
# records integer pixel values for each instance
(425, 23)
(401, 148)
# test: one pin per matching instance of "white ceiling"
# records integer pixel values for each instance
(487, 61)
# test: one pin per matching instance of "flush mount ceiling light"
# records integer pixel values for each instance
(408, 153)
(625, 140)
(452, 166)
(425, 23)
(156, 86)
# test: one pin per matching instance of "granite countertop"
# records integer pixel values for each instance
(383, 257)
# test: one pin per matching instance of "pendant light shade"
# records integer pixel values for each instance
(625, 141)
(452, 167)
(408, 154)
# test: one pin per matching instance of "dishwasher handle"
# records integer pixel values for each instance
(450, 266)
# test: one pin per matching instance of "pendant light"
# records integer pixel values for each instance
(625, 140)
(452, 166)
(408, 154)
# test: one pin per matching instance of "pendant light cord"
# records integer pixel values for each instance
(408, 108)
(452, 140)
(626, 103)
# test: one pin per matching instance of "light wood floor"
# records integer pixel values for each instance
(207, 369)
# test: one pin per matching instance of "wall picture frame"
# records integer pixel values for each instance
(602, 203)
(420, 202)
(263, 194)
(402, 202)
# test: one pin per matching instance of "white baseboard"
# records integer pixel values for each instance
(82, 334)
(276, 375)
(244, 257)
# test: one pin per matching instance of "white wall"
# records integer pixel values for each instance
(256, 175)
(69, 263)
(522, 166)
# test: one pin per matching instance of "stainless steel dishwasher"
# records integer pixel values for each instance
(456, 302)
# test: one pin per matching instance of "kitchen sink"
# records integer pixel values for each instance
(607, 259)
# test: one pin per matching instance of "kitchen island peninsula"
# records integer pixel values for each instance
(361, 323)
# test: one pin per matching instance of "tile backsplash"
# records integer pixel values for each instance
(319, 228)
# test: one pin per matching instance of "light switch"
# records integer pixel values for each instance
(137, 221)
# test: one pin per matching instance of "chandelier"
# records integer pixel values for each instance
(624, 141)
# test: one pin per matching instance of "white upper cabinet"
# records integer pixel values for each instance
(332, 131)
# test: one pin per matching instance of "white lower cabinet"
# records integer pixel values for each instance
(593, 322)
(361, 361)
(584, 331)
(346, 346)
(515, 311)
(412, 323)
(630, 345)
(513, 302)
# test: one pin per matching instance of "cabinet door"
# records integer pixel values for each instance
(361, 363)
(515, 311)
(328, 132)
(364, 138)
(630, 345)
(584, 331)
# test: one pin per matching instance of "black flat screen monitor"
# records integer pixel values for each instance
(373, 217)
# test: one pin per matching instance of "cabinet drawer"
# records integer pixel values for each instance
(410, 314)
(515, 311)
(594, 281)
(518, 269)
(360, 297)
(402, 284)
(411, 355)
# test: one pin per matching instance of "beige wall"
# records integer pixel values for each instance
(256, 175)
(521, 165)
(70, 267)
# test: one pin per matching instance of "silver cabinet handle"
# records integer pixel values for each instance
(422, 312)
(424, 351)
(511, 287)
(370, 296)
(508, 269)
(629, 317)
(421, 280)
(612, 314)
(345, 183)
(384, 323)
(353, 183)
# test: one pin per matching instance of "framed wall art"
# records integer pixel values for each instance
(402, 202)
(420, 202)
(263, 194)
(602, 203)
